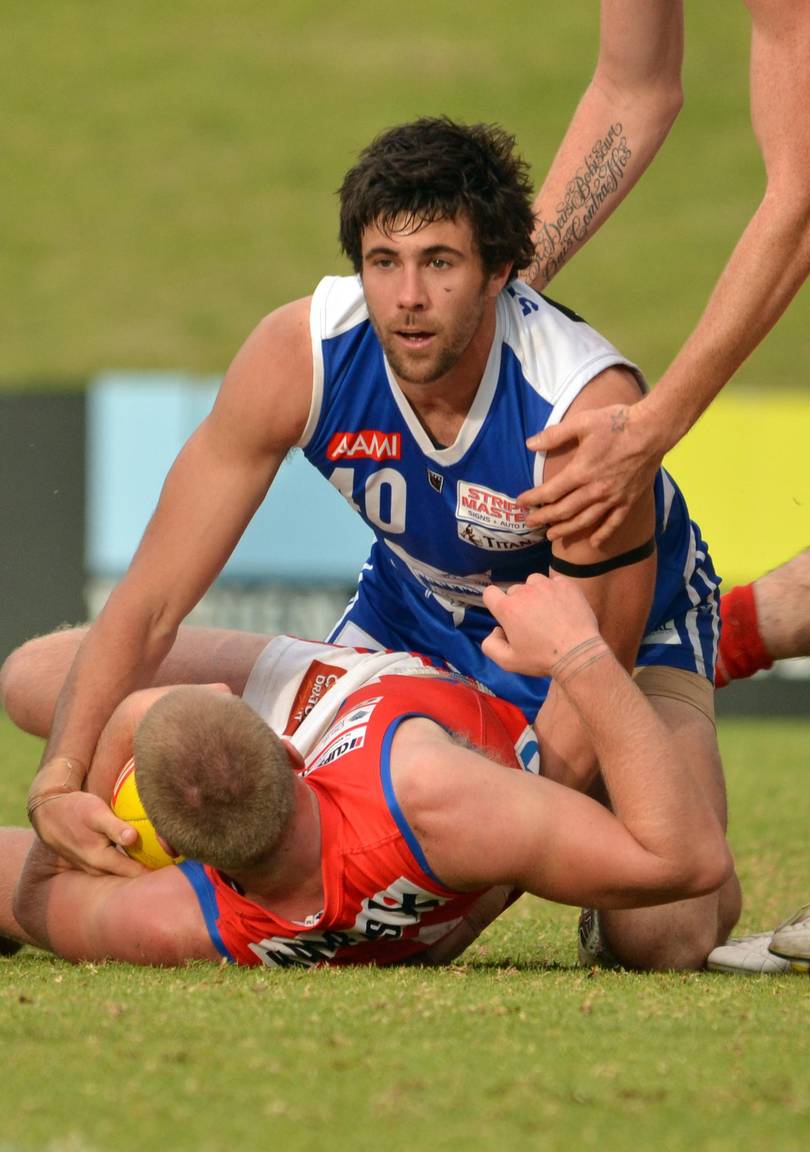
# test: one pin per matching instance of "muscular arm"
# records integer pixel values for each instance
(210, 494)
(767, 267)
(620, 598)
(151, 919)
(664, 841)
(619, 125)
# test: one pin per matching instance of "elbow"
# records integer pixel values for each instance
(709, 866)
(664, 103)
(654, 99)
(787, 203)
(673, 99)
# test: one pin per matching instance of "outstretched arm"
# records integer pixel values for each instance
(619, 450)
(619, 125)
(620, 597)
(210, 494)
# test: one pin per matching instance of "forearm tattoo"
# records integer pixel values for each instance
(594, 182)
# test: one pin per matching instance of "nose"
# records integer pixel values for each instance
(412, 292)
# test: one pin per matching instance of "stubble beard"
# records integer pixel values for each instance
(441, 361)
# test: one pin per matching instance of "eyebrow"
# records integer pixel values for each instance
(433, 250)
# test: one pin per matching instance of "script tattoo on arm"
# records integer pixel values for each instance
(595, 181)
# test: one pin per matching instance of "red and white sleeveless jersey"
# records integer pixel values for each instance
(382, 902)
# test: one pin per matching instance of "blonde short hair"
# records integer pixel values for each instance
(215, 781)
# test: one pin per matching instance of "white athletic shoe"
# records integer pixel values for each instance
(746, 954)
(791, 941)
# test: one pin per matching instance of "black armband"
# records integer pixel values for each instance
(566, 568)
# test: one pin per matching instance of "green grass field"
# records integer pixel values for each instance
(512, 1047)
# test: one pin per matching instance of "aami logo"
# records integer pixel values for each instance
(367, 444)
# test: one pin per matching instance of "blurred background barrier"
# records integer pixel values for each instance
(42, 513)
(296, 565)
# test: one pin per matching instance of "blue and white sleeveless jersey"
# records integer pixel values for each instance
(445, 518)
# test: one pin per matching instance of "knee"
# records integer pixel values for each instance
(678, 943)
(32, 676)
(16, 679)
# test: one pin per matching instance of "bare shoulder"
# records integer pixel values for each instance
(268, 385)
(437, 777)
(616, 385)
(286, 328)
(418, 752)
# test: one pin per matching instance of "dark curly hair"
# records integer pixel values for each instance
(435, 169)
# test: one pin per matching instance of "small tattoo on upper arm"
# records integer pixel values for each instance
(598, 177)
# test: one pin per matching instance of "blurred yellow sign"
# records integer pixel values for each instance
(745, 472)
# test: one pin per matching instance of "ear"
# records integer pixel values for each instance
(499, 279)
(296, 759)
(168, 848)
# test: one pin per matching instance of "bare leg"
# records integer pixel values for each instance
(32, 676)
(783, 608)
(14, 846)
(682, 934)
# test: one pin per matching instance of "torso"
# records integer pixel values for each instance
(445, 517)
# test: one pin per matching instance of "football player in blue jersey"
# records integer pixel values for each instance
(413, 386)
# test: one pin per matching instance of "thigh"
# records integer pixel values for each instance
(697, 739)
(208, 655)
(33, 675)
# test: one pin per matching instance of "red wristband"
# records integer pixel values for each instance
(741, 651)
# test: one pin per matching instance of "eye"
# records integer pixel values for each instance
(439, 262)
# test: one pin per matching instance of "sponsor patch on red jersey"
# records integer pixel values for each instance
(317, 681)
(367, 444)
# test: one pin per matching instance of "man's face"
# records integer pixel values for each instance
(426, 292)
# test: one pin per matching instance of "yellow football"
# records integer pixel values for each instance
(126, 804)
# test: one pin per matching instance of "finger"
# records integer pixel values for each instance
(112, 862)
(555, 436)
(591, 518)
(493, 596)
(583, 500)
(550, 491)
(117, 831)
(496, 647)
(497, 634)
(537, 578)
(605, 530)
